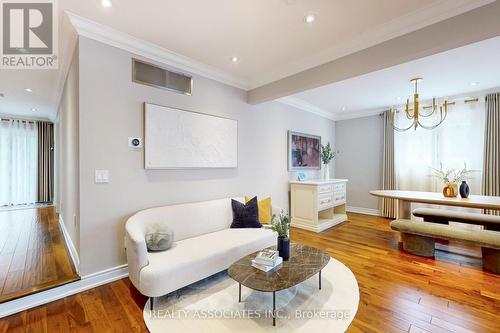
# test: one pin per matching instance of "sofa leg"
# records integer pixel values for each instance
(151, 303)
(418, 245)
(491, 259)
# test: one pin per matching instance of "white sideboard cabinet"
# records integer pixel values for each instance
(317, 205)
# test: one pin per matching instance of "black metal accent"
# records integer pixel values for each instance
(239, 294)
(151, 303)
(274, 308)
(319, 280)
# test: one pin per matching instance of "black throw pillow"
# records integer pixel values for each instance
(245, 215)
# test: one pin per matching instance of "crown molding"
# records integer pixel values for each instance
(360, 114)
(480, 94)
(300, 104)
(306, 106)
(104, 34)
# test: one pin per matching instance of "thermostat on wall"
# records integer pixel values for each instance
(135, 142)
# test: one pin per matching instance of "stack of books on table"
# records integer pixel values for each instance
(267, 260)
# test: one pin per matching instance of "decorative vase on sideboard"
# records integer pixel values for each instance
(326, 171)
(450, 190)
(284, 247)
(464, 190)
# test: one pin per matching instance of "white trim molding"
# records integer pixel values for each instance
(71, 246)
(51, 295)
(360, 114)
(305, 106)
(365, 211)
(110, 36)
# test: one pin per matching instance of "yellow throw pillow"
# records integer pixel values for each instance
(264, 210)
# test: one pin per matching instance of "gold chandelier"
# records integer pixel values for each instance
(414, 114)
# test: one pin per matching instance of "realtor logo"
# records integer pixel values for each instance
(29, 34)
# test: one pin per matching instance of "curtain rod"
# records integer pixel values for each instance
(472, 100)
(29, 121)
(21, 120)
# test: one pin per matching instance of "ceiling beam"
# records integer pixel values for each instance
(473, 26)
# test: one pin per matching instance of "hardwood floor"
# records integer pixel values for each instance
(33, 256)
(398, 292)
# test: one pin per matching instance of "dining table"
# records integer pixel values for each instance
(406, 198)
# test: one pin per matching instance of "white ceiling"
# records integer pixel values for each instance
(445, 74)
(268, 36)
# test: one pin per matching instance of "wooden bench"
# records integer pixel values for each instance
(443, 216)
(419, 239)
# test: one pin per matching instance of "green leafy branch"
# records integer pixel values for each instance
(327, 154)
(281, 224)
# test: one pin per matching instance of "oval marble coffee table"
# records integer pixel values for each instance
(304, 262)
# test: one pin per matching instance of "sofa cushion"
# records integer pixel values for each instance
(159, 241)
(193, 259)
(264, 209)
(245, 215)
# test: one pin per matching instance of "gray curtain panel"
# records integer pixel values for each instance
(491, 162)
(388, 206)
(45, 187)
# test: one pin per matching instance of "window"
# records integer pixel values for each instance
(458, 140)
(18, 162)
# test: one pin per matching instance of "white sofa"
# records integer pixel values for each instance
(204, 244)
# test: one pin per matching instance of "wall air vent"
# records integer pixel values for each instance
(154, 76)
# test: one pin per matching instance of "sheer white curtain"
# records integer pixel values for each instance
(18, 162)
(459, 139)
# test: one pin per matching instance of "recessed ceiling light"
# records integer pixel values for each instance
(33, 109)
(474, 84)
(107, 3)
(310, 18)
(28, 89)
(344, 108)
(398, 98)
(234, 59)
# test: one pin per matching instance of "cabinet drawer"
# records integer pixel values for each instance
(339, 187)
(325, 188)
(325, 201)
(339, 197)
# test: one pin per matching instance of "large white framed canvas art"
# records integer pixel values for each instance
(180, 139)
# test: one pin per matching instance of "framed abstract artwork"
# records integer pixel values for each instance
(180, 139)
(303, 151)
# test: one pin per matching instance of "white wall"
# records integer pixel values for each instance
(111, 111)
(67, 153)
(360, 142)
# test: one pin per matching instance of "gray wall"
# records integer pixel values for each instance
(67, 155)
(111, 111)
(360, 142)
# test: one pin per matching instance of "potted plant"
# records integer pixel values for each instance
(281, 224)
(451, 178)
(326, 156)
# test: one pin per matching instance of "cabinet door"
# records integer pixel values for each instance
(303, 202)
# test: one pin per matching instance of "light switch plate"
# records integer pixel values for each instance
(101, 176)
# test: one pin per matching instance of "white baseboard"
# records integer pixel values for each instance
(365, 211)
(71, 246)
(51, 295)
